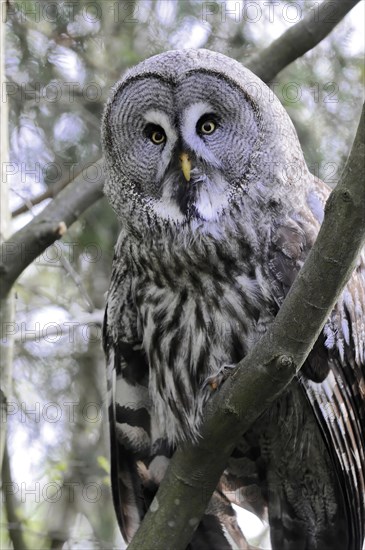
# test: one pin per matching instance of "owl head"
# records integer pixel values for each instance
(188, 133)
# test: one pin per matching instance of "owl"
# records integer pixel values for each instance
(218, 212)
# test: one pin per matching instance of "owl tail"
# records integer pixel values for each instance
(219, 527)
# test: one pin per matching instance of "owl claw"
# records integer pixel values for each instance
(216, 380)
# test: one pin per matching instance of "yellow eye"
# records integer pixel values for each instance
(158, 137)
(208, 127)
(155, 133)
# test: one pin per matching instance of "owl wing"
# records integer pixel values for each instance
(339, 401)
(139, 455)
(128, 403)
(333, 377)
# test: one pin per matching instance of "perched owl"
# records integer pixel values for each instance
(218, 212)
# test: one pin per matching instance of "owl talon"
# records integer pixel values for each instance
(216, 380)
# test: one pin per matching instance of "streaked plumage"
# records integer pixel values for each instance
(218, 212)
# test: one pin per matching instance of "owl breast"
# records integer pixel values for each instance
(200, 307)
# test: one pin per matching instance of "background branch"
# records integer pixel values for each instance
(28, 243)
(52, 190)
(7, 305)
(299, 39)
(194, 471)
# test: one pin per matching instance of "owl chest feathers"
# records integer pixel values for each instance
(198, 307)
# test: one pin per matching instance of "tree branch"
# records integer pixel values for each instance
(299, 39)
(52, 190)
(7, 308)
(195, 470)
(50, 225)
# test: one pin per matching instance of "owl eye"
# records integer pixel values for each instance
(206, 125)
(155, 133)
(158, 137)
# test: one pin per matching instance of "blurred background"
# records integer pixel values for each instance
(61, 59)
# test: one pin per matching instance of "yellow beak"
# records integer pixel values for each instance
(185, 165)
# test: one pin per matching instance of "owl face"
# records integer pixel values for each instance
(183, 146)
(189, 133)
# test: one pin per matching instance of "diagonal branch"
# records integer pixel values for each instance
(194, 471)
(299, 39)
(25, 245)
(52, 190)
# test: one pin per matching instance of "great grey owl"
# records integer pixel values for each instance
(218, 212)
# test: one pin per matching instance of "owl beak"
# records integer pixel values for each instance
(185, 165)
